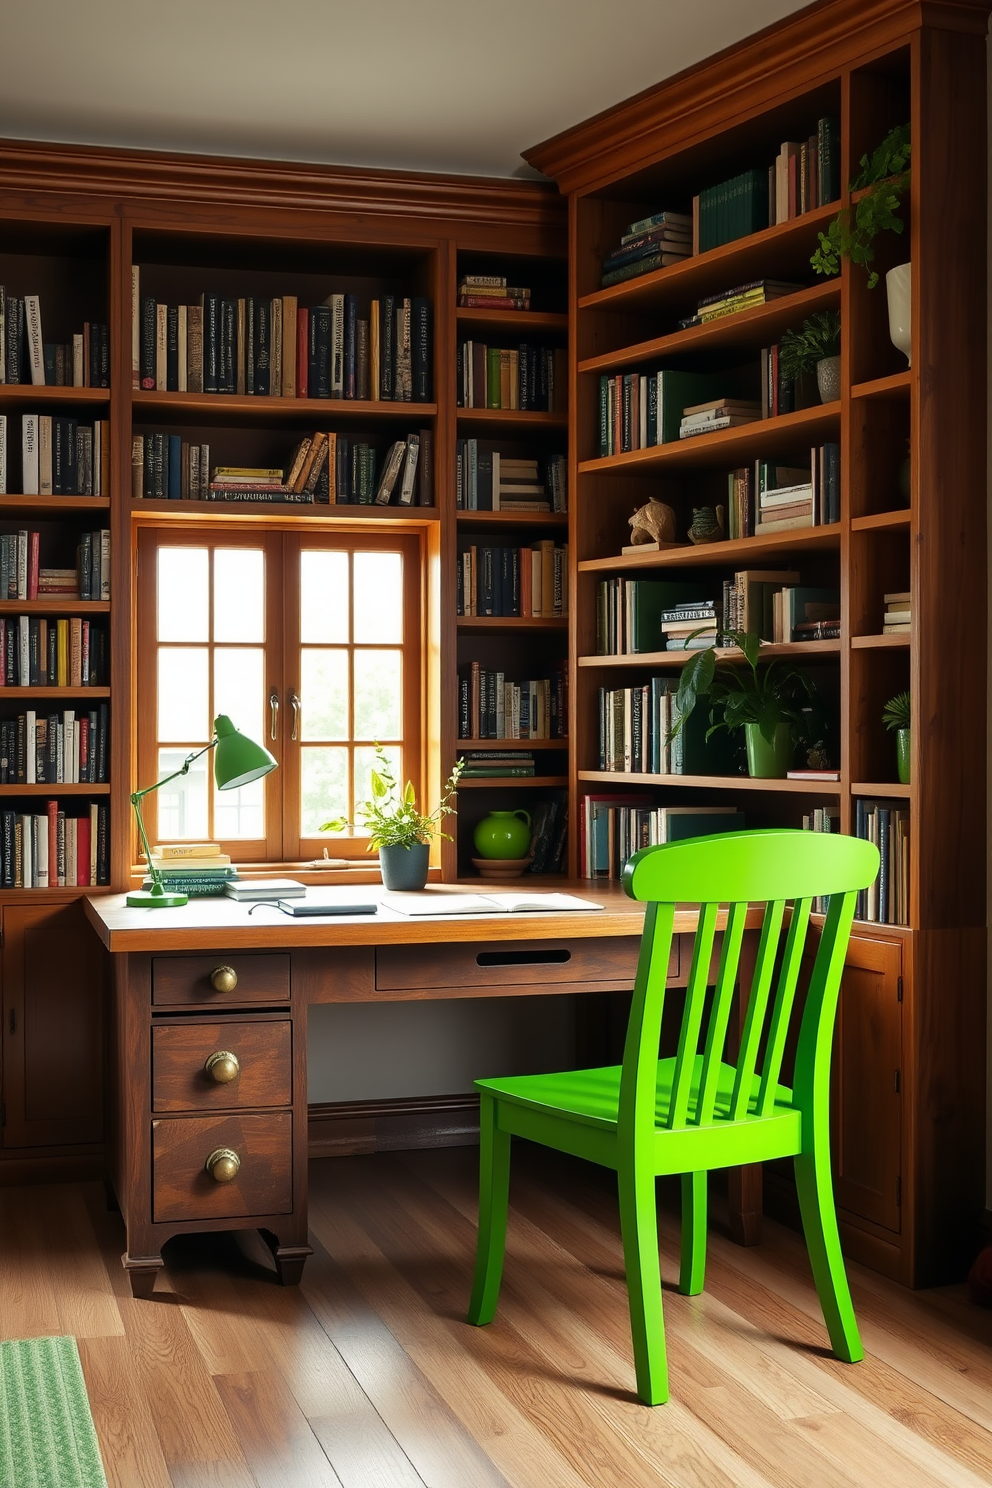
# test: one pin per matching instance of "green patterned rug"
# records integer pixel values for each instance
(47, 1438)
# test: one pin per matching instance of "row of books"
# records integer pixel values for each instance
(22, 577)
(638, 410)
(769, 497)
(279, 348)
(741, 297)
(486, 480)
(491, 292)
(549, 835)
(803, 176)
(528, 377)
(66, 748)
(898, 616)
(501, 580)
(38, 651)
(55, 849)
(635, 725)
(773, 604)
(630, 612)
(821, 819)
(497, 764)
(59, 456)
(886, 823)
(325, 467)
(26, 357)
(491, 706)
(613, 828)
(650, 243)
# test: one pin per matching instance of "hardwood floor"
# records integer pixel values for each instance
(368, 1377)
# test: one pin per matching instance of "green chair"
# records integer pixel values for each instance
(701, 1109)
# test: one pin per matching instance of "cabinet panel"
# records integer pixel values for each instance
(867, 1074)
(53, 990)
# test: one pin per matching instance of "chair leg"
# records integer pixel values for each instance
(692, 1270)
(816, 1202)
(639, 1229)
(494, 1188)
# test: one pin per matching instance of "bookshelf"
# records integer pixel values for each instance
(909, 1072)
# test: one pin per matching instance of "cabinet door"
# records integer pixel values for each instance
(867, 1073)
(53, 982)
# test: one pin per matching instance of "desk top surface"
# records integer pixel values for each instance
(207, 924)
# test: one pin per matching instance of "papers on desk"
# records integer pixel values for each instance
(429, 903)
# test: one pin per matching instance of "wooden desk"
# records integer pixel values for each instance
(191, 984)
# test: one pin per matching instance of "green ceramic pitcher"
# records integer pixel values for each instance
(503, 834)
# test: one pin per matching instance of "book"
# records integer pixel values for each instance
(249, 889)
(434, 902)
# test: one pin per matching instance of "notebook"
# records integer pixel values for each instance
(265, 888)
(450, 904)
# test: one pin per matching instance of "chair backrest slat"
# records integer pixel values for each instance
(639, 1077)
(692, 1017)
(785, 996)
(757, 1007)
(723, 997)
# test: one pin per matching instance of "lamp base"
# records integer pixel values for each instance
(149, 899)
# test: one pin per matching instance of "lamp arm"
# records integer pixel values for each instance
(137, 797)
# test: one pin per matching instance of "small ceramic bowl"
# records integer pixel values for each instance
(502, 867)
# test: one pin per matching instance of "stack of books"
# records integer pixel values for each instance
(486, 480)
(785, 506)
(198, 869)
(485, 764)
(692, 626)
(531, 378)
(717, 413)
(262, 483)
(60, 456)
(651, 243)
(742, 297)
(898, 616)
(802, 613)
(490, 292)
(26, 357)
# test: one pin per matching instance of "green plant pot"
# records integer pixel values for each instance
(503, 834)
(768, 761)
(903, 738)
(405, 867)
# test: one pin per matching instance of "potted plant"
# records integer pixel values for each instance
(401, 834)
(814, 347)
(775, 703)
(884, 178)
(897, 715)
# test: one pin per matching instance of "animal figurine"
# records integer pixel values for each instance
(707, 525)
(653, 522)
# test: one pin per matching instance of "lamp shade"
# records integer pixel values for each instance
(237, 759)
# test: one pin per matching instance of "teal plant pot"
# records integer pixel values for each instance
(768, 761)
(405, 867)
(903, 742)
(503, 834)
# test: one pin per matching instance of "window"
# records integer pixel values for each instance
(311, 644)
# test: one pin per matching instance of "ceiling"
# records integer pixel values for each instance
(446, 85)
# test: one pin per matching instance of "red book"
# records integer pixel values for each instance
(3, 653)
(83, 852)
(34, 549)
(302, 351)
(83, 727)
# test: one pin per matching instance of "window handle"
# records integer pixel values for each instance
(294, 703)
(273, 714)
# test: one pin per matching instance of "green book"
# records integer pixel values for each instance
(648, 597)
(680, 822)
(492, 377)
(678, 391)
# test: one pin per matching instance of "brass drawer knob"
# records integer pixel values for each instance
(223, 978)
(222, 1066)
(223, 1165)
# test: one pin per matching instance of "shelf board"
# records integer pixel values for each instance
(511, 622)
(761, 325)
(51, 789)
(26, 392)
(57, 605)
(747, 442)
(887, 788)
(313, 410)
(896, 386)
(775, 251)
(880, 642)
(713, 555)
(15, 693)
(52, 506)
(291, 511)
(796, 649)
(525, 320)
(525, 744)
(516, 519)
(881, 521)
(714, 782)
(510, 782)
(514, 420)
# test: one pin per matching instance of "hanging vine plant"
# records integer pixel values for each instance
(884, 178)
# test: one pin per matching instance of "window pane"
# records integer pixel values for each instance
(239, 594)
(378, 694)
(183, 594)
(240, 813)
(379, 597)
(183, 694)
(325, 694)
(323, 788)
(238, 688)
(182, 804)
(365, 760)
(323, 597)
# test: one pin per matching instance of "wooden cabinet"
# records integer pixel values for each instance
(53, 1027)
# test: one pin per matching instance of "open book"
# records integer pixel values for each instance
(428, 903)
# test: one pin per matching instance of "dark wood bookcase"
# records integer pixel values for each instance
(909, 1067)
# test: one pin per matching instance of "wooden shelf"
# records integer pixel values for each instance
(896, 386)
(714, 555)
(52, 789)
(13, 393)
(527, 321)
(513, 420)
(880, 642)
(311, 411)
(524, 744)
(715, 782)
(759, 326)
(57, 605)
(52, 506)
(267, 512)
(749, 441)
(511, 622)
(514, 519)
(882, 521)
(796, 649)
(17, 693)
(510, 782)
(887, 788)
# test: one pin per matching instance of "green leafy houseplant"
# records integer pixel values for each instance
(816, 338)
(884, 178)
(391, 817)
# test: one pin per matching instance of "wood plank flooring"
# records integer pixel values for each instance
(368, 1377)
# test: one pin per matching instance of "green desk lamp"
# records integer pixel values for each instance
(238, 761)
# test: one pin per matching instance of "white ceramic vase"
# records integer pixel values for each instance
(828, 378)
(898, 287)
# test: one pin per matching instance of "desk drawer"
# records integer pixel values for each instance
(183, 1189)
(259, 977)
(263, 1050)
(568, 964)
